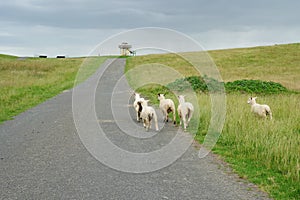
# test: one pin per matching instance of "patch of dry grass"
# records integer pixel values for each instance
(279, 63)
(27, 82)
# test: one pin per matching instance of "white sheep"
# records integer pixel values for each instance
(137, 105)
(261, 110)
(167, 106)
(147, 114)
(185, 111)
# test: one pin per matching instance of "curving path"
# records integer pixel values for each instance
(42, 157)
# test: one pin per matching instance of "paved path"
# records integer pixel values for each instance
(42, 157)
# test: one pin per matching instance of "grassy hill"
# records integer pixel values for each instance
(266, 152)
(27, 82)
(279, 63)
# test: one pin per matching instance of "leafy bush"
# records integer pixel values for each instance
(255, 86)
(197, 83)
(180, 85)
(205, 84)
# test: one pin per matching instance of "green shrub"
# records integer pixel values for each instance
(197, 83)
(255, 86)
(205, 84)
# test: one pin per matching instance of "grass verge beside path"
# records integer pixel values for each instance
(27, 82)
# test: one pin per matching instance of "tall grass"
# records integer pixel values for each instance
(264, 151)
(275, 142)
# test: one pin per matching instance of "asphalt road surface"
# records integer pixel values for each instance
(42, 155)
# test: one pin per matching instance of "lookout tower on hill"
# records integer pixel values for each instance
(125, 49)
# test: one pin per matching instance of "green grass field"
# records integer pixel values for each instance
(25, 83)
(265, 152)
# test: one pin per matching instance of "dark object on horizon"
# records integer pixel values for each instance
(42, 56)
(60, 56)
(132, 52)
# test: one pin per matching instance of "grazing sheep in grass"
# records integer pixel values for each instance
(167, 106)
(137, 105)
(185, 111)
(147, 114)
(261, 110)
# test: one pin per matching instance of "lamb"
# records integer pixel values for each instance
(147, 114)
(185, 111)
(137, 105)
(167, 106)
(261, 110)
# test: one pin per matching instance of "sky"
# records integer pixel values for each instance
(76, 27)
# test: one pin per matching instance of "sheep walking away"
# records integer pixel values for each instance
(148, 114)
(167, 106)
(137, 105)
(185, 111)
(261, 110)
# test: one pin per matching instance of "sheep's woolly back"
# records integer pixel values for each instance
(185, 108)
(261, 110)
(147, 114)
(167, 106)
(185, 111)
